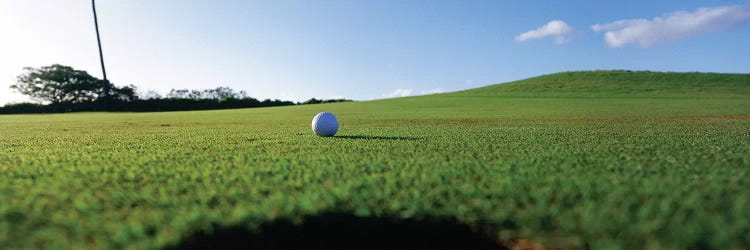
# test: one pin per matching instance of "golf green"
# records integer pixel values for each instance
(603, 159)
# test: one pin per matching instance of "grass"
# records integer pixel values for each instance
(620, 83)
(606, 168)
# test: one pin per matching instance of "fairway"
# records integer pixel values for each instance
(608, 160)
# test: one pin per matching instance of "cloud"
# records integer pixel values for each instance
(671, 27)
(402, 92)
(399, 93)
(432, 91)
(556, 29)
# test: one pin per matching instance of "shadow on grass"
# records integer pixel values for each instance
(346, 231)
(367, 137)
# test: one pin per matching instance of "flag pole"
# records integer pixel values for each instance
(101, 58)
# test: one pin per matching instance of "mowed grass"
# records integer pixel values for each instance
(666, 169)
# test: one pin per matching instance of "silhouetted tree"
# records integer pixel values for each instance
(179, 94)
(150, 95)
(219, 93)
(223, 93)
(126, 93)
(58, 83)
(316, 101)
(64, 84)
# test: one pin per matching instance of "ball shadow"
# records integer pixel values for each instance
(368, 137)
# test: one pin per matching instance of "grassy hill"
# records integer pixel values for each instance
(654, 165)
(622, 83)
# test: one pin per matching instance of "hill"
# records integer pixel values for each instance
(608, 83)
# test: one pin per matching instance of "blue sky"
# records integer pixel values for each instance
(364, 50)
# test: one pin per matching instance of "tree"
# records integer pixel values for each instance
(179, 94)
(150, 95)
(219, 93)
(126, 93)
(316, 101)
(58, 83)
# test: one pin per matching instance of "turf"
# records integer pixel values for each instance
(663, 163)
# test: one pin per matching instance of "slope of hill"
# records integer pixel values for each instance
(622, 83)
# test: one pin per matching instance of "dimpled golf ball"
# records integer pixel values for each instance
(325, 124)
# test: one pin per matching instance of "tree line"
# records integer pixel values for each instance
(59, 88)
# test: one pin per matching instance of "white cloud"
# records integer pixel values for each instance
(432, 91)
(403, 92)
(399, 93)
(671, 27)
(556, 29)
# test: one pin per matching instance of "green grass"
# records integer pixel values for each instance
(623, 84)
(574, 155)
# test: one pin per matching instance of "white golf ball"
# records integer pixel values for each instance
(325, 124)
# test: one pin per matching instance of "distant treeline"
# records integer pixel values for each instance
(70, 90)
(154, 105)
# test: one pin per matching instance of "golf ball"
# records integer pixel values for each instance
(325, 124)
